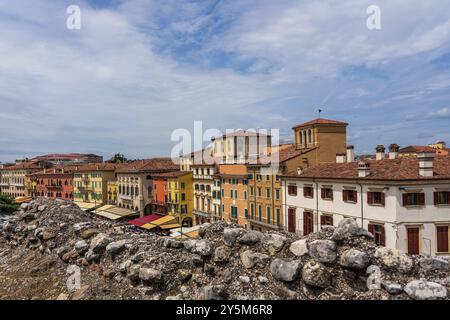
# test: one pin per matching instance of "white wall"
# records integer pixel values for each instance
(393, 215)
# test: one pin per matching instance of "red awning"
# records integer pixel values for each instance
(143, 220)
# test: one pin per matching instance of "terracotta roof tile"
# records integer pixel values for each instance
(173, 174)
(387, 169)
(321, 121)
(149, 165)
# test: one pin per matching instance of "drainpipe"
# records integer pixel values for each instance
(362, 205)
(317, 205)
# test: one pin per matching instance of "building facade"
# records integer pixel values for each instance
(403, 202)
(13, 178)
(112, 192)
(62, 159)
(90, 182)
(134, 181)
(204, 193)
(53, 183)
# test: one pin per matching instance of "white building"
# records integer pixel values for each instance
(404, 202)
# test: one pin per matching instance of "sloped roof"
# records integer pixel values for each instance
(387, 169)
(173, 174)
(321, 121)
(29, 165)
(149, 165)
(416, 149)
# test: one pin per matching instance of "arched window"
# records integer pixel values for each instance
(137, 191)
(300, 137)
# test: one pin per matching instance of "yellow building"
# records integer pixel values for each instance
(179, 195)
(90, 184)
(112, 192)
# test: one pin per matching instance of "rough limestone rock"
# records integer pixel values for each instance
(77, 227)
(81, 247)
(217, 292)
(323, 250)
(285, 270)
(354, 259)
(299, 248)
(425, 290)
(432, 264)
(202, 247)
(116, 247)
(221, 254)
(250, 259)
(251, 237)
(349, 228)
(274, 243)
(99, 243)
(394, 259)
(150, 275)
(392, 287)
(316, 274)
(230, 235)
(42, 208)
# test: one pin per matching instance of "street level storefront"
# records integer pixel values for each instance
(112, 212)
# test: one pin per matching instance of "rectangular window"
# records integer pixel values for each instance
(442, 198)
(259, 192)
(231, 193)
(292, 190)
(246, 213)
(268, 177)
(268, 214)
(252, 210)
(222, 192)
(442, 238)
(414, 199)
(278, 217)
(260, 212)
(235, 194)
(245, 182)
(326, 220)
(327, 193)
(308, 192)
(183, 197)
(376, 198)
(251, 191)
(350, 196)
(277, 194)
(245, 195)
(268, 193)
(378, 233)
(258, 177)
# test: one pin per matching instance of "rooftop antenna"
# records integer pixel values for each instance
(319, 112)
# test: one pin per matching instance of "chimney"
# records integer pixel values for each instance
(425, 163)
(363, 169)
(380, 152)
(341, 158)
(350, 153)
(393, 151)
(299, 170)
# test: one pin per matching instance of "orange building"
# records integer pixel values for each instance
(54, 183)
(234, 193)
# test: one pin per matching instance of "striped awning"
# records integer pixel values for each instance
(85, 206)
(114, 213)
(161, 221)
(144, 220)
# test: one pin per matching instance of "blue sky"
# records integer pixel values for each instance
(139, 69)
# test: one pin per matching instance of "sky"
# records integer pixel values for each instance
(137, 70)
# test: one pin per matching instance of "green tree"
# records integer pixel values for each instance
(118, 158)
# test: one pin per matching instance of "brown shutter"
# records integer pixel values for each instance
(355, 196)
(442, 238)
(405, 199)
(447, 197)
(383, 200)
(421, 199)
(332, 194)
(436, 198)
(322, 220)
(370, 227)
(383, 236)
(369, 197)
(344, 195)
(322, 193)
